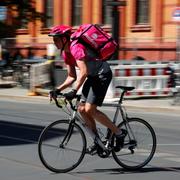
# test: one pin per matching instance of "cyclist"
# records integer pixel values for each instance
(94, 75)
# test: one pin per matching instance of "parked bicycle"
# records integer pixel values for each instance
(62, 144)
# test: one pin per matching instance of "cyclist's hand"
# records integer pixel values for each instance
(70, 95)
(53, 94)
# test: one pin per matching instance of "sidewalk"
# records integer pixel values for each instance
(153, 104)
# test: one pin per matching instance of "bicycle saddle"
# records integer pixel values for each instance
(126, 88)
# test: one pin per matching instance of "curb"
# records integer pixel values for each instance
(8, 84)
(36, 98)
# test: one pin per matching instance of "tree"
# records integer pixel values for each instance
(23, 11)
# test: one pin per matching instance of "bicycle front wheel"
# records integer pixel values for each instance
(62, 146)
(139, 145)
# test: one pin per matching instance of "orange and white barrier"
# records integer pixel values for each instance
(148, 80)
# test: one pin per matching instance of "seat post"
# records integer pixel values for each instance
(121, 97)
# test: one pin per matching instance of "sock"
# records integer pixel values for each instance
(119, 133)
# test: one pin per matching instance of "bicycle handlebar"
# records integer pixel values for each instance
(77, 97)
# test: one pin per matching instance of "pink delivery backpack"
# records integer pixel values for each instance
(95, 38)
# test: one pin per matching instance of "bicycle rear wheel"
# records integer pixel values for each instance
(61, 148)
(139, 146)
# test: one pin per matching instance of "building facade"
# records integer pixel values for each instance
(146, 27)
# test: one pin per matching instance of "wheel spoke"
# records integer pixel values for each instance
(59, 157)
(144, 149)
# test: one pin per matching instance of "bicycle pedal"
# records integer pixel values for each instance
(91, 150)
(133, 143)
(103, 154)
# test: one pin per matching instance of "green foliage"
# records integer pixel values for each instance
(26, 12)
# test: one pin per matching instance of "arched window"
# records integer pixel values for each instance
(76, 12)
(142, 11)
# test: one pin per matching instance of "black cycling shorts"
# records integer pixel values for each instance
(95, 88)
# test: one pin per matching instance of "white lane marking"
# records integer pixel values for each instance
(160, 154)
(168, 144)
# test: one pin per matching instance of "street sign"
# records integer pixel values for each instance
(176, 14)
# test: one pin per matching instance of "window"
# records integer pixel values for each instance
(142, 11)
(76, 12)
(106, 13)
(141, 16)
(49, 11)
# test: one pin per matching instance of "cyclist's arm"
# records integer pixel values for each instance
(83, 72)
(71, 77)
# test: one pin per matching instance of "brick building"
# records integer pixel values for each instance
(146, 28)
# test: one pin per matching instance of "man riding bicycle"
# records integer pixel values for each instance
(94, 75)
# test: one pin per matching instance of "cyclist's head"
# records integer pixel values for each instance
(60, 31)
(61, 35)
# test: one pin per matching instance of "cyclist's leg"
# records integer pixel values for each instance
(120, 134)
(96, 93)
(90, 122)
(93, 94)
(92, 112)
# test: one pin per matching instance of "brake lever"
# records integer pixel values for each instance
(57, 104)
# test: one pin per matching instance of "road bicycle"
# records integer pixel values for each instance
(62, 144)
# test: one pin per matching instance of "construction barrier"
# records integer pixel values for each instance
(39, 76)
(148, 79)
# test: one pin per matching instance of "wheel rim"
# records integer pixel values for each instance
(141, 153)
(59, 157)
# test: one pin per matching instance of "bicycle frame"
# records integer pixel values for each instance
(74, 116)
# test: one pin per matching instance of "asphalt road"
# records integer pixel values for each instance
(21, 123)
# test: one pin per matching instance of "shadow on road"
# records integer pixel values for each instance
(12, 133)
(123, 171)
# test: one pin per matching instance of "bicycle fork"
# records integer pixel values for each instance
(68, 134)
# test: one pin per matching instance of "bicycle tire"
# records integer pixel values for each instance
(58, 158)
(143, 152)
